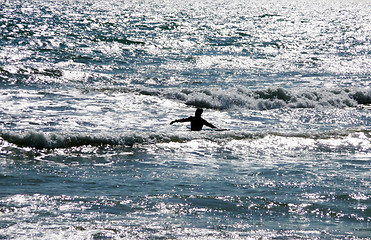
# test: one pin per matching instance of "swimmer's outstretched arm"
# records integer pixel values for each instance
(181, 120)
(209, 124)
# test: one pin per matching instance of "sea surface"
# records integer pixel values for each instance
(88, 89)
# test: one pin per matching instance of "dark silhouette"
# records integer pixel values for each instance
(197, 122)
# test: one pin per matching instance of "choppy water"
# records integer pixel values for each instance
(88, 89)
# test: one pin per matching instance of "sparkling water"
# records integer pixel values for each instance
(88, 89)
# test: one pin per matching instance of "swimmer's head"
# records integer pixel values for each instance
(198, 113)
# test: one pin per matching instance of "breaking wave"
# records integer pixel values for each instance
(271, 98)
(39, 140)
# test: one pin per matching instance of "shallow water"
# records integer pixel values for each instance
(88, 90)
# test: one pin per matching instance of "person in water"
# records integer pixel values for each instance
(197, 122)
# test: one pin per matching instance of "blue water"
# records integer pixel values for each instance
(88, 89)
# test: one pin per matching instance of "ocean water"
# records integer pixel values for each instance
(88, 89)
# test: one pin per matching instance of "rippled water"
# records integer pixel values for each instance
(88, 89)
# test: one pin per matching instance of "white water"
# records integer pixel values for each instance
(88, 89)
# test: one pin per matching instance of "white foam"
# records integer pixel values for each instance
(357, 139)
(270, 98)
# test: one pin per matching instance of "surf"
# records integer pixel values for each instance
(232, 98)
(40, 140)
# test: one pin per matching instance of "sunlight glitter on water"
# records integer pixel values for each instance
(88, 90)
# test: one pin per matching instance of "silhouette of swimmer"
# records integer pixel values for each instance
(197, 122)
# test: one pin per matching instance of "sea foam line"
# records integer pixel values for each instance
(39, 140)
(264, 99)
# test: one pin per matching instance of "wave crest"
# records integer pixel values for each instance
(39, 140)
(271, 98)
